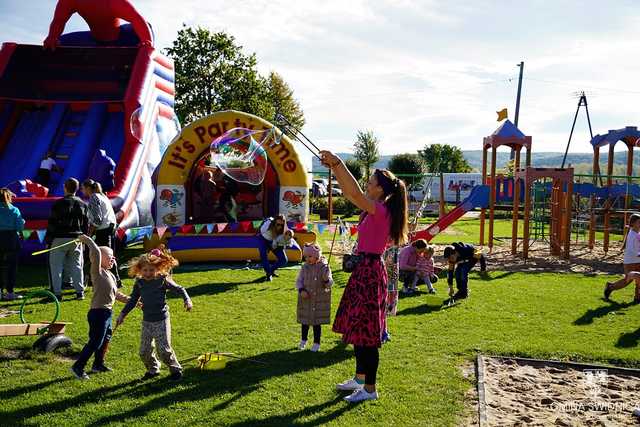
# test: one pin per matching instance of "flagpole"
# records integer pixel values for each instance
(333, 241)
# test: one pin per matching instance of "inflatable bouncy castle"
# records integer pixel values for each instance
(191, 192)
(98, 103)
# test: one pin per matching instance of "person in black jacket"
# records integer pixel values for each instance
(68, 221)
(461, 258)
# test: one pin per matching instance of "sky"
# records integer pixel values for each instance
(418, 72)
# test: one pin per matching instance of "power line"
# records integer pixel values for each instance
(419, 91)
(572, 85)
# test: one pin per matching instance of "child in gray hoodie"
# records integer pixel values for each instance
(152, 271)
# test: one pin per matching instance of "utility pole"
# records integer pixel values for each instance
(521, 65)
(515, 122)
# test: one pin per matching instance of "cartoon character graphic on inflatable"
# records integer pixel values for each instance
(172, 198)
(171, 219)
(104, 20)
(293, 199)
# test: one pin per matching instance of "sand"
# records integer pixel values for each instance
(518, 394)
(582, 259)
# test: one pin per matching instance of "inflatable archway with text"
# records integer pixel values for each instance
(285, 190)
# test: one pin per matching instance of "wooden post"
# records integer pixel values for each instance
(592, 201)
(330, 201)
(568, 207)
(607, 211)
(484, 182)
(553, 235)
(562, 220)
(527, 214)
(441, 209)
(516, 204)
(627, 197)
(492, 198)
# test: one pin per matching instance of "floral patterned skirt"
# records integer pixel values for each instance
(361, 315)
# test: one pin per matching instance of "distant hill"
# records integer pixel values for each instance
(582, 162)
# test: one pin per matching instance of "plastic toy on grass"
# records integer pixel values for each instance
(45, 309)
(212, 361)
(216, 360)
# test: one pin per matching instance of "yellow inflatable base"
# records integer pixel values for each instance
(230, 253)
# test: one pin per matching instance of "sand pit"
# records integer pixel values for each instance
(582, 259)
(521, 392)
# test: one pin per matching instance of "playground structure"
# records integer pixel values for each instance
(605, 205)
(553, 202)
(479, 198)
(506, 135)
(284, 190)
(105, 112)
(561, 181)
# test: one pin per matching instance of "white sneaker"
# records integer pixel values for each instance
(361, 395)
(302, 345)
(81, 375)
(349, 385)
(315, 347)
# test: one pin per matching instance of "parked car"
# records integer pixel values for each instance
(318, 189)
(416, 192)
(322, 186)
(335, 188)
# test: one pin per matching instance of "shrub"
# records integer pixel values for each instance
(342, 206)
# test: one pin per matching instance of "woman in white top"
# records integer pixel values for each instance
(102, 219)
(270, 230)
(631, 260)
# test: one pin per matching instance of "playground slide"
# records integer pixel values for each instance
(479, 198)
(28, 143)
(78, 103)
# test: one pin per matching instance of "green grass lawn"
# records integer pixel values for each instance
(467, 229)
(558, 316)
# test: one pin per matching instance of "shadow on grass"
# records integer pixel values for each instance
(588, 317)
(293, 418)
(213, 288)
(239, 378)
(420, 309)
(488, 276)
(629, 339)
(17, 391)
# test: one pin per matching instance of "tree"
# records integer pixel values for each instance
(366, 150)
(282, 100)
(509, 168)
(355, 168)
(213, 74)
(409, 164)
(444, 158)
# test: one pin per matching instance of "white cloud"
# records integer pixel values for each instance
(419, 71)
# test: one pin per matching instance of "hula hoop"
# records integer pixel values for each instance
(40, 293)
